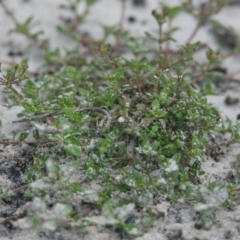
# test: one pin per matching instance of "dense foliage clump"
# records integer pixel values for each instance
(137, 127)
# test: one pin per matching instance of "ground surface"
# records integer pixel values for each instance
(178, 221)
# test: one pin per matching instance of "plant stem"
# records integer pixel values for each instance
(16, 190)
(122, 17)
(8, 12)
(17, 93)
(193, 34)
(160, 39)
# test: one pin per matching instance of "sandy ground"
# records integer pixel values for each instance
(178, 220)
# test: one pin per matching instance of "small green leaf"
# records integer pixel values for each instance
(22, 136)
(28, 106)
(5, 193)
(174, 11)
(36, 134)
(177, 157)
(71, 71)
(148, 221)
(150, 36)
(53, 56)
(155, 105)
(105, 49)
(155, 129)
(83, 92)
(73, 150)
(178, 144)
(160, 113)
(108, 97)
(207, 218)
(30, 89)
(132, 229)
(66, 100)
(134, 181)
(91, 2)
(113, 78)
(72, 114)
(24, 27)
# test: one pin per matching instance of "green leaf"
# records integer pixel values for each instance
(132, 229)
(71, 71)
(177, 157)
(30, 89)
(113, 78)
(134, 181)
(73, 150)
(24, 28)
(160, 113)
(66, 99)
(5, 193)
(53, 56)
(107, 97)
(35, 106)
(28, 106)
(155, 105)
(148, 221)
(72, 114)
(22, 136)
(105, 49)
(207, 218)
(174, 11)
(91, 2)
(36, 134)
(155, 129)
(83, 92)
(178, 144)
(150, 36)
(213, 56)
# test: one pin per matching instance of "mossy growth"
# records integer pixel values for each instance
(136, 127)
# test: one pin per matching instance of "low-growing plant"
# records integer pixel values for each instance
(120, 132)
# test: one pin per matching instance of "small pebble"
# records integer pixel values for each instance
(231, 100)
(139, 3)
(131, 19)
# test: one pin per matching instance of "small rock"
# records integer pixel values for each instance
(139, 3)
(231, 100)
(227, 234)
(174, 234)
